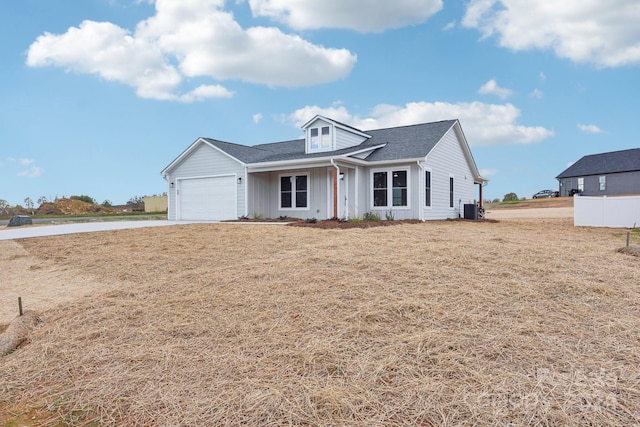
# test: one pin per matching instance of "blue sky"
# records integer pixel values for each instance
(98, 96)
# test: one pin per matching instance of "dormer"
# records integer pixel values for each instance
(323, 135)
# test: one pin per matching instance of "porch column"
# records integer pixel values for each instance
(335, 192)
(480, 194)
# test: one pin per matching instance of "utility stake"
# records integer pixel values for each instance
(20, 305)
(628, 234)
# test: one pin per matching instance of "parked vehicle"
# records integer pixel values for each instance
(543, 194)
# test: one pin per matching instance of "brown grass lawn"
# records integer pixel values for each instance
(517, 322)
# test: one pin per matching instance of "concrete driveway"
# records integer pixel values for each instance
(25, 232)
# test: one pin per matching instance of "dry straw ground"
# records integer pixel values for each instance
(519, 322)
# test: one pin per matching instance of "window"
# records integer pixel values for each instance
(602, 180)
(380, 189)
(325, 140)
(451, 192)
(427, 188)
(314, 139)
(294, 191)
(390, 188)
(320, 139)
(581, 184)
(399, 188)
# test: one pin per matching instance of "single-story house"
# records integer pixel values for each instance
(616, 172)
(424, 171)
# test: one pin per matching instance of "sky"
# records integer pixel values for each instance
(98, 96)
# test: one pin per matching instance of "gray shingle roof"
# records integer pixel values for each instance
(605, 163)
(405, 142)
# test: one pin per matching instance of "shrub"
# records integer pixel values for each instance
(84, 198)
(371, 216)
(389, 215)
(510, 197)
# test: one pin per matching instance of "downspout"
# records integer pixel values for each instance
(336, 173)
(246, 191)
(420, 192)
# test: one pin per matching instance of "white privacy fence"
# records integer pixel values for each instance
(606, 211)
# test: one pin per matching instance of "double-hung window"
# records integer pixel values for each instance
(602, 180)
(451, 192)
(581, 184)
(390, 188)
(320, 139)
(427, 188)
(294, 191)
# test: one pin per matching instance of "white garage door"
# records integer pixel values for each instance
(202, 199)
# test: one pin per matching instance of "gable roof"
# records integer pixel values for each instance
(405, 142)
(337, 124)
(411, 142)
(604, 163)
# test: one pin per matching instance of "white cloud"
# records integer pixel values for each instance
(536, 93)
(589, 128)
(257, 118)
(488, 172)
(450, 26)
(23, 167)
(32, 172)
(542, 78)
(358, 15)
(206, 91)
(483, 124)
(603, 33)
(189, 39)
(491, 88)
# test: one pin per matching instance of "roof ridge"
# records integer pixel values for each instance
(414, 124)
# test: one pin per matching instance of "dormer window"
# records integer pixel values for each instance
(320, 139)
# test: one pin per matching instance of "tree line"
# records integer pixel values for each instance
(134, 203)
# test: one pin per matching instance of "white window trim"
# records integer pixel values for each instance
(390, 189)
(451, 197)
(424, 177)
(321, 149)
(293, 191)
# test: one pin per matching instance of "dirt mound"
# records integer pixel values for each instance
(71, 207)
(630, 250)
(17, 332)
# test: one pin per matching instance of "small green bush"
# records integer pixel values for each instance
(389, 215)
(371, 216)
(84, 198)
(510, 197)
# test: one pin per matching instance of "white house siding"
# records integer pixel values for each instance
(365, 201)
(346, 139)
(269, 207)
(205, 161)
(258, 200)
(447, 160)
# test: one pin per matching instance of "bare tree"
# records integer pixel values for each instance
(28, 203)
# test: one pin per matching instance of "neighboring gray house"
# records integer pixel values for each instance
(423, 171)
(616, 172)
